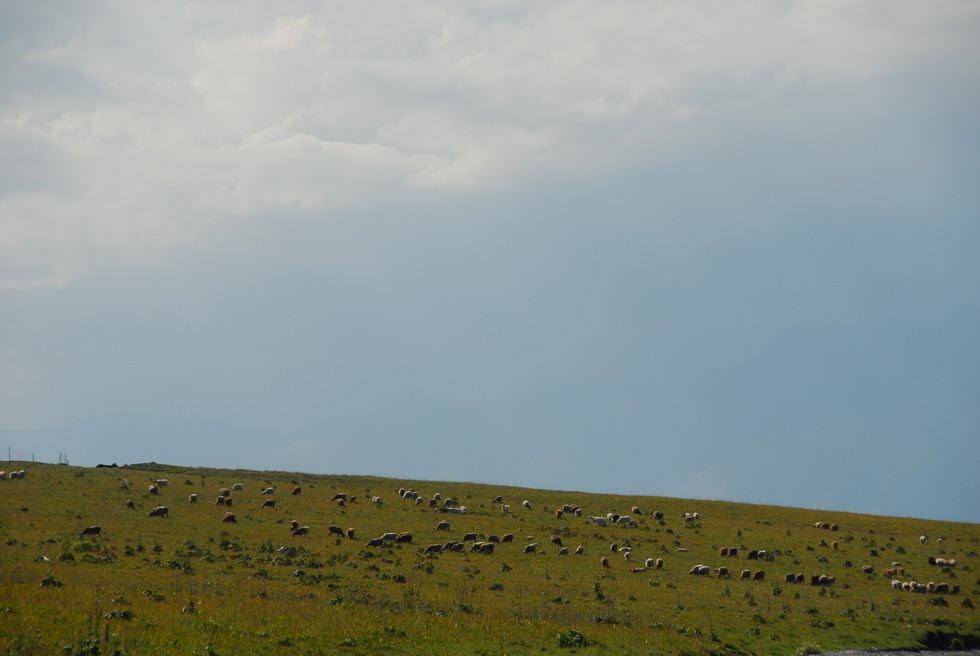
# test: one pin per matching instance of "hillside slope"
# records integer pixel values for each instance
(191, 583)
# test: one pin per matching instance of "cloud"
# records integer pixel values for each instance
(166, 122)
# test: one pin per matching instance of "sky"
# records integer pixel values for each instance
(708, 250)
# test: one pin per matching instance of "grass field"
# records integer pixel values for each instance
(192, 584)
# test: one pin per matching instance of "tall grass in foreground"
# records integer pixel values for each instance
(193, 584)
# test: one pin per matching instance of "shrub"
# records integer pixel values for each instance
(571, 639)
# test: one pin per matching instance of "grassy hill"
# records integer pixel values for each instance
(193, 584)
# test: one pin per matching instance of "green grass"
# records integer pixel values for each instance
(194, 585)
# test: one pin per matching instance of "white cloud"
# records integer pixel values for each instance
(177, 116)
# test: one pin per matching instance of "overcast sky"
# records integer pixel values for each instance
(701, 249)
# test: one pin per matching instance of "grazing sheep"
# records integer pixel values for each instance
(923, 539)
(745, 575)
(492, 538)
(505, 508)
(225, 492)
(868, 569)
(526, 504)
(660, 563)
(834, 527)
(296, 491)
(614, 547)
(791, 578)
(486, 547)
(658, 515)
(531, 548)
(612, 517)
(341, 503)
(340, 496)
(467, 537)
(758, 575)
(220, 501)
(650, 563)
(333, 529)
(563, 551)
(229, 501)
(92, 530)
(624, 520)
(442, 526)
(558, 513)
(835, 545)
(941, 588)
(403, 538)
(419, 501)
(638, 570)
(800, 578)
(604, 562)
(349, 533)
(269, 503)
(302, 530)
(159, 511)
(130, 504)
(294, 525)
(229, 517)
(723, 551)
(455, 511)
(754, 554)
(269, 490)
(507, 537)
(433, 548)
(722, 572)
(390, 535)
(153, 489)
(498, 499)
(700, 570)
(598, 521)
(556, 540)
(238, 487)
(579, 550)
(192, 498)
(635, 510)
(376, 542)
(161, 482)
(376, 501)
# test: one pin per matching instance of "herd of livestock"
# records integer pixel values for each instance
(488, 543)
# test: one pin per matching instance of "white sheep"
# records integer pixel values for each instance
(598, 521)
